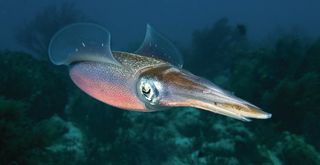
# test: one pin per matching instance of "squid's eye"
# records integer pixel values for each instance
(148, 91)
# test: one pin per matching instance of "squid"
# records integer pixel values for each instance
(147, 80)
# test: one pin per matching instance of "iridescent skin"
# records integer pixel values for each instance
(117, 86)
(113, 84)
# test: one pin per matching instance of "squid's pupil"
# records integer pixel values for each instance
(146, 91)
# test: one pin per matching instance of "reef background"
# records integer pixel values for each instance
(46, 119)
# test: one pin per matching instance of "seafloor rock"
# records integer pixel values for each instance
(38, 83)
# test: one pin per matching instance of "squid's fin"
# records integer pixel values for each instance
(81, 42)
(157, 46)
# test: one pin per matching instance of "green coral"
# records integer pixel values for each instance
(296, 151)
(13, 124)
(290, 149)
(34, 82)
(26, 142)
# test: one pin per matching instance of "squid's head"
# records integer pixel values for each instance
(168, 86)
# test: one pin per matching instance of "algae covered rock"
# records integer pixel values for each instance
(290, 149)
(71, 142)
(12, 125)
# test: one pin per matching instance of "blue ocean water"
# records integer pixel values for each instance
(267, 53)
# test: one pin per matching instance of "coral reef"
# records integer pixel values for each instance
(44, 119)
(71, 142)
(34, 82)
(290, 149)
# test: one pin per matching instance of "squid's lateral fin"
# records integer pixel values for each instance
(157, 46)
(81, 42)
